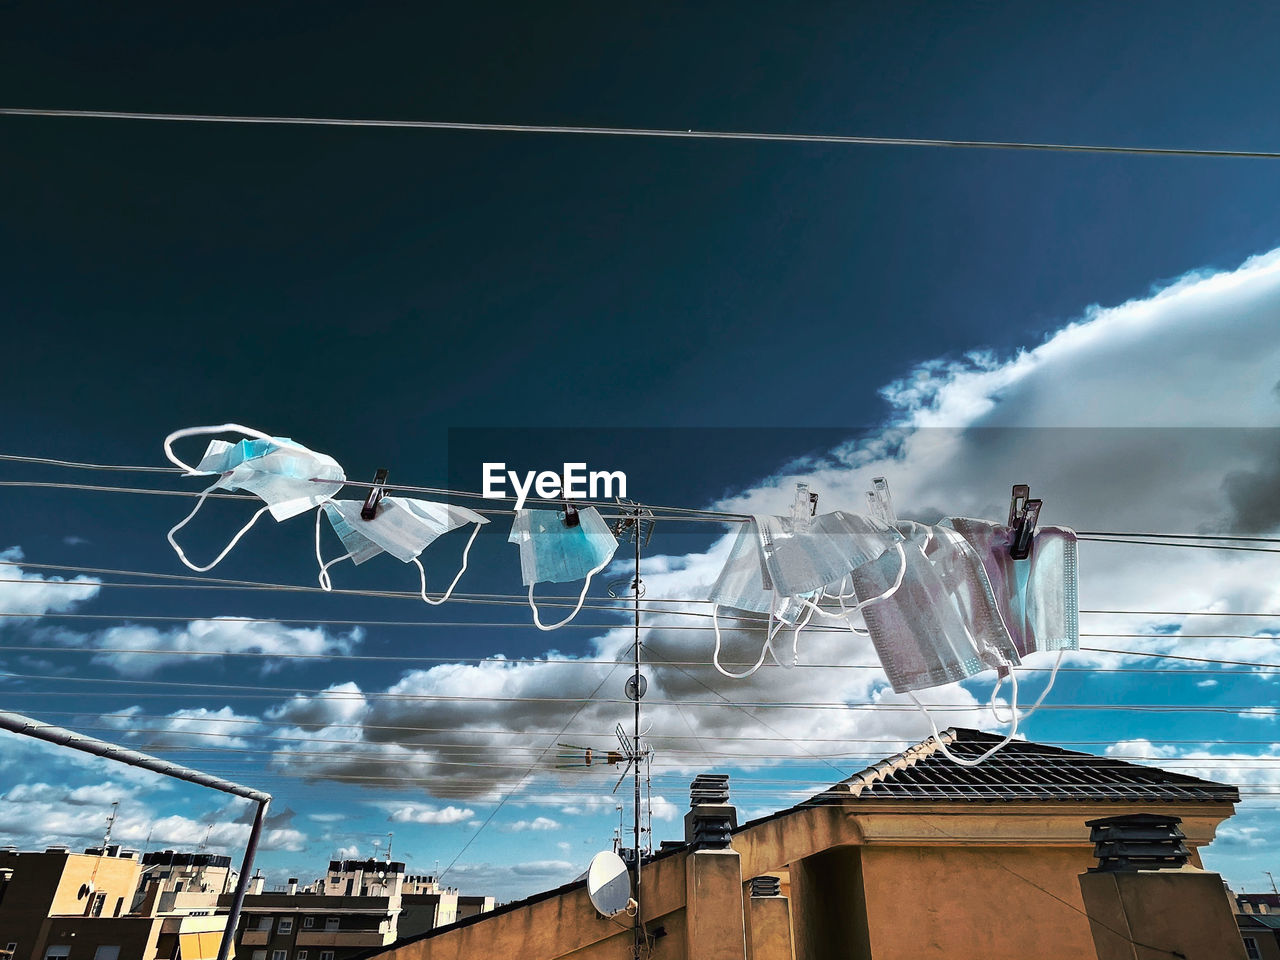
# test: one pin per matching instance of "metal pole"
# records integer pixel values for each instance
(27, 727)
(639, 929)
(63, 737)
(242, 885)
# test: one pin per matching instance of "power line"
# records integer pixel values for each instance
(656, 133)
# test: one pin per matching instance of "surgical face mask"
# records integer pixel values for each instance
(782, 566)
(1038, 596)
(551, 552)
(286, 476)
(402, 527)
(941, 625)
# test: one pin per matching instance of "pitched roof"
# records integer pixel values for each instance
(1021, 771)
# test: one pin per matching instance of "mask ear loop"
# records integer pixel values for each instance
(192, 471)
(582, 597)
(715, 656)
(448, 593)
(857, 608)
(325, 583)
(225, 550)
(965, 761)
(795, 634)
(201, 431)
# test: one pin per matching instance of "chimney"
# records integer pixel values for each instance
(1144, 898)
(711, 817)
(715, 922)
(293, 886)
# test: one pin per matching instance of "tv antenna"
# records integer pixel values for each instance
(111, 822)
(636, 524)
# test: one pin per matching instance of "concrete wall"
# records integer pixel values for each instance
(883, 880)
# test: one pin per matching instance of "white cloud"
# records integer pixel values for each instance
(34, 594)
(537, 823)
(425, 813)
(188, 727)
(204, 639)
(37, 814)
(1261, 713)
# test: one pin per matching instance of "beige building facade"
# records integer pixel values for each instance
(914, 857)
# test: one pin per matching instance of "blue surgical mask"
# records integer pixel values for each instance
(552, 552)
(1038, 596)
(289, 478)
(402, 527)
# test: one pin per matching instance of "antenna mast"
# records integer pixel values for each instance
(111, 822)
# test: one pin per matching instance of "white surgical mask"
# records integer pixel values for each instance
(942, 625)
(289, 478)
(783, 565)
(402, 527)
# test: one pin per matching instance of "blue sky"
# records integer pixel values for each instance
(700, 314)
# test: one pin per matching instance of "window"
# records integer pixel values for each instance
(279, 954)
(286, 925)
(259, 955)
(107, 953)
(95, 908)
(58, 952)
(264, 923)
(119, 906)
(300, 955)
(308, 923)
(330, 923)
(1251, 949)
(326, 955)
(177, 887)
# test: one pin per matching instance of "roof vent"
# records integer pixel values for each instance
(1139, 841)
(711, 818)
(766, 887)
(709, 788)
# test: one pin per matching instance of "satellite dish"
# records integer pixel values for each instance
(609, 884)
(86, 891)
(636, 691)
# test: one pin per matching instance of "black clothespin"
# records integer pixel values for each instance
(1024, 513)
(370, 508)
(571, 518)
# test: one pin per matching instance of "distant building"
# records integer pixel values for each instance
(109, 904)
(357, 905)
(58, 905)
(1258, 917)
(183, 883)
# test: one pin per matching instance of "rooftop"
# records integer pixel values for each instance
(1022, 772)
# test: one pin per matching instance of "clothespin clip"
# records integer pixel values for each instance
(880, 503)
(370, 508)
(1024, 513)
(571, 518)
(803, 507)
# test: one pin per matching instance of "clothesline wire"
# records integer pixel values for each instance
(649, 132)
(589, 661)
(1241, 709)
(247, 755)
(599, 603)
(888, 743)
(715, 515)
